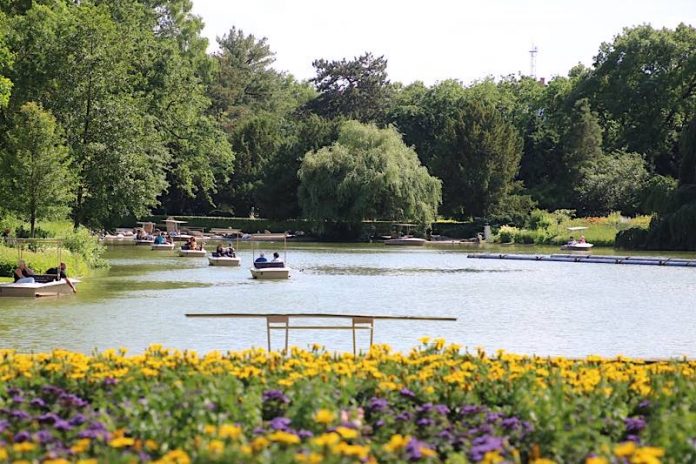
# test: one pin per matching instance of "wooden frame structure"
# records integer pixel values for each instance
(282, 322)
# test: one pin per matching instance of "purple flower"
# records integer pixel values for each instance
(51, 390)
(425, 408)
(280, 423)
(511, 423)
(43, 436)
(62, 425)
(469, 410)
(404, 416)
(109, 381)
(634, 425)
(275, 395)
(38, 403)
(77, 419)
(259, 431)
(441, 409)
(424, 422)
(483, 445)
(406, 393)
(493, 416)
(4, 425)
(446, 435)
(68, 399)
(14, 391)
(20, 415)
(377, 404)
(48, 418)
(379, 423)
(305, 434)
(633, 438)
(18, 399)
(21, 437)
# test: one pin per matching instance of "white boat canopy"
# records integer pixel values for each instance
(577, 228)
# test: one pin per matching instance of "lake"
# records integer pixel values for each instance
(547, 308)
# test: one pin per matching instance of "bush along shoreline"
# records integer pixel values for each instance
(434, 404)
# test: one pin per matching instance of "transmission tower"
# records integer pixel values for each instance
(532, 61)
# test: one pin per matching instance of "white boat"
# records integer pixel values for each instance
(192, 253)
(269, 270)
(145, 242)
(162, 246)
(577, 246)
(52, 288)
(580, 245)
(224, 261)
(405, 241)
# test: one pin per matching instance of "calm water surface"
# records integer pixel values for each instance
(520, 306)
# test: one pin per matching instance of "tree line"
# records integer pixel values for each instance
(115, 109)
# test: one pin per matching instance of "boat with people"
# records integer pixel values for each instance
(192, 249)
(29, 284)
(580, 244)
(224, 256)
(162, 246)
(269, 270)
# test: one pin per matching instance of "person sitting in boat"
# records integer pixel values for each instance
(160, 239)
(582, 239)
(219, 252)
(23, 274)
(572, 241)
(261, 259)
(189, 245)
(61, 273)
(140, 235)
(276, 258)
(231, 253)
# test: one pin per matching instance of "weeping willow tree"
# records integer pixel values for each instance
(367, 174)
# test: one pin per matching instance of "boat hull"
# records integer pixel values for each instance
(144, 242)
(271, 273)
(578, 247)
(56, 288)
(162, 247)
(223, 261)
(405, 242)
(192, 253)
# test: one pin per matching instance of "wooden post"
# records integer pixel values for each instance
(268, 332)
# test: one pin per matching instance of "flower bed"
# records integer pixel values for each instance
(434, 404)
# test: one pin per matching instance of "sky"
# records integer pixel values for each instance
(434, 40)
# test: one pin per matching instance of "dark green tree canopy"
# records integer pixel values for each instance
(353, 89)
(368, 174)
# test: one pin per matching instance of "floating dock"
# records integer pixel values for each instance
(599, 259)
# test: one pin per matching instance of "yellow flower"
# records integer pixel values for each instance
(80, 446)
(324, 416)
(284, 437)
(397, 443)
(230, 431)
(216, 446)
(326, 439)
(311, 458)
(3, 453)
(543, 461)
(87, 461)
(23, 447)
(492, 457)
(625, 449)
(151, 445)
(346, 433)
(121, 442)
(424, 340)
(175, 457)
(596, 460)
(56, 461)
(259, 443)
(357, 451)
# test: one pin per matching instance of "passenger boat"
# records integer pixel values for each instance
(162, 246)
(577, 245)
(269, 270)
(192, 253)
(44, 286)
(145, 242)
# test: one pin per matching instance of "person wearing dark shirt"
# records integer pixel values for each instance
(60, 273)
(261, 259)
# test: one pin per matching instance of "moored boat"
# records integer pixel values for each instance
(44, 286)
(405, 241)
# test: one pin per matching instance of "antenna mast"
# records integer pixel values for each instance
(532, 61)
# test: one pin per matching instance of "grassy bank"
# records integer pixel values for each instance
(550, 229)
(80, 250)
(432, 405)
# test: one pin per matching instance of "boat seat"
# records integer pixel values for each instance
(45, 278)
(268, 264)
